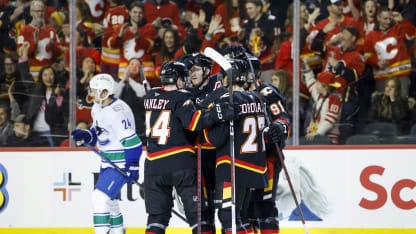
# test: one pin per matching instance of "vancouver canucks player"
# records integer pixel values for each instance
(113, 131)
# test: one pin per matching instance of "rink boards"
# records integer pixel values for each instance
(344, 190)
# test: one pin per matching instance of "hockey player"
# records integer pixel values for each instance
(250, 157)
(171, 162)
(262, 208)
(205, 88)
(262, 212)
(114, 130)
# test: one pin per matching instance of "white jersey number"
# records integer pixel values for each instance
(160, 128)
(251, 126)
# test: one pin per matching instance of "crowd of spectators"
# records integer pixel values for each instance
(360, 54)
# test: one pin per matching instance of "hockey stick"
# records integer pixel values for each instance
(278, 148)
(218, 58)
(104, 158)
(198, 191)
(145, 82)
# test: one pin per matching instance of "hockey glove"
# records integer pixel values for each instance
(85, 136)
(222, 111)
(132, 171)
(276, 132)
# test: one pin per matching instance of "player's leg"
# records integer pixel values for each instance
(265, 205)
(223, 204)
(245, 211)
(208, 183)
(106, 190)
(158, 202)
(116, 218)
(185, 184)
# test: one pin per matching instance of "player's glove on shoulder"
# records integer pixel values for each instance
(87, 136)
(276, 132)
(222, 111)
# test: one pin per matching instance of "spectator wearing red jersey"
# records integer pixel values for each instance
(343, 59)
(44, 44)
(160, 11)
(284, 56)
(367, 18)
(232, 14)
(97, 9)
(135, 39)
(385, 49)
(327, 105)
(331, 26)
(115, 16)
(86, 21)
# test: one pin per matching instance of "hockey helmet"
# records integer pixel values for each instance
(240, 71)
(102, 82)
(171, 71)
(187, 59)
(235, 51)
(202, 60)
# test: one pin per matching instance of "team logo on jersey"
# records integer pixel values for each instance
(67, 186)
(4, 195)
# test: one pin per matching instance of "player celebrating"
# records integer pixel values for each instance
(114, 131)
(171, 162)
(250, 157)
(262, 212)
(262, 207)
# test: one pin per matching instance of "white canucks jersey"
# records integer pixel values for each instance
(115, 128)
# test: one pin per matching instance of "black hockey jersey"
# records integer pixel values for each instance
(169, 114)
(203, 92)
(276, 105)
(250, 156)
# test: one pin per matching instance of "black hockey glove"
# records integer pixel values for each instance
(222, 111)
(276, 132)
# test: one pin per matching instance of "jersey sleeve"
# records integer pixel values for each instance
(311, 84)
(216, 135)
(191, 118)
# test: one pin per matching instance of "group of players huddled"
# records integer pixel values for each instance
(189, 149)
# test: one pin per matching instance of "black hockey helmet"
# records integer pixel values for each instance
(235, 51)
(202, 60)
(171, 71)
(187, 59)
(240, 70)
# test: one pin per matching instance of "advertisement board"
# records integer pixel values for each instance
(338, 189)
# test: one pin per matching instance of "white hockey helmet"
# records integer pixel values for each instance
(102, 82)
